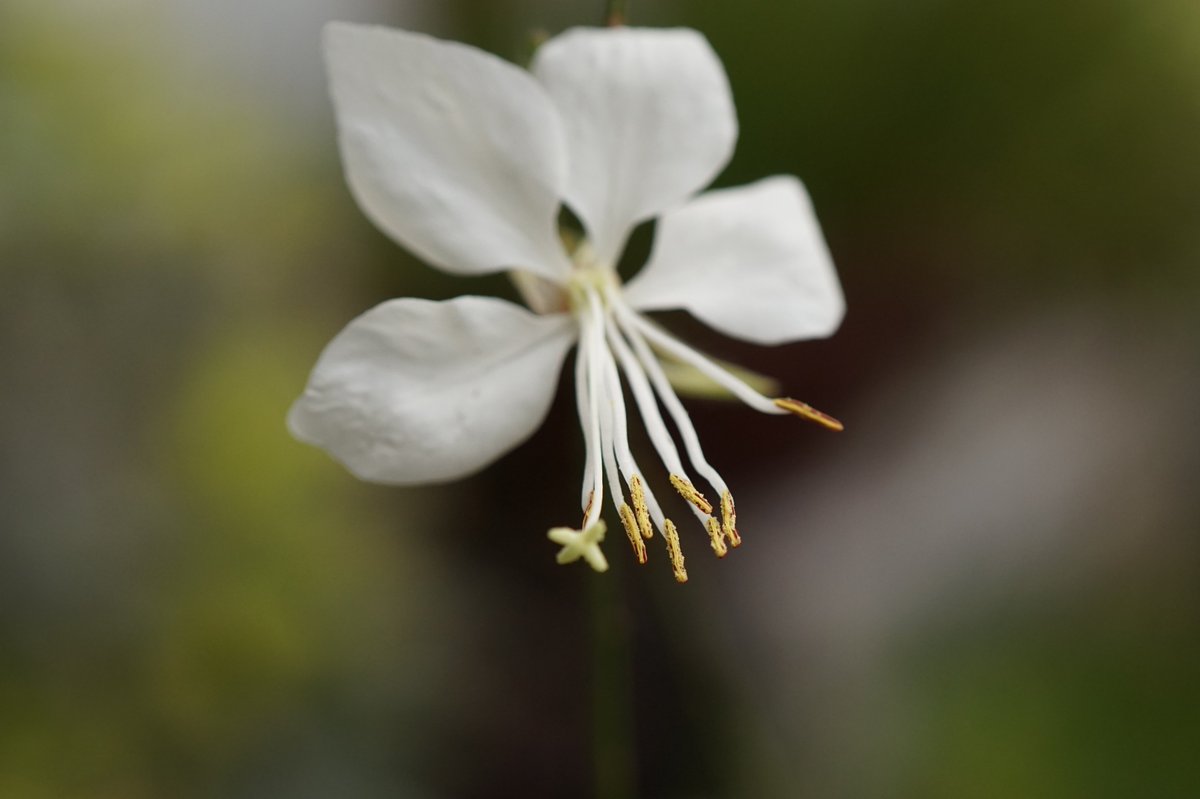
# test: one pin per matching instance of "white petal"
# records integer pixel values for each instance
(750, 261)
(649, 121)
(415, 391)
(453, 152)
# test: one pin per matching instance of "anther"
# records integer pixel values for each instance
(729, 520)
(716, 537)
(806, 411)
(641, 512)
(689, 492)
(672, 536)
(587, 509)
(631, 530)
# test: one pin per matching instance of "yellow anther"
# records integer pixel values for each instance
(673, 550)
(632, 531)
(639, 507)
(716, 537)
(587, 509)
(689, 492)
(806, 411)
(729, 520)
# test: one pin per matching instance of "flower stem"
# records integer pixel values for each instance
(612, 695)
(618, 12)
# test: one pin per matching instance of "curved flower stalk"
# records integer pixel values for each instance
(466, 159)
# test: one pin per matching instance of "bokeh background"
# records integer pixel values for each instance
(988, 586)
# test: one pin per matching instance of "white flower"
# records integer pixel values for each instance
(465, 159)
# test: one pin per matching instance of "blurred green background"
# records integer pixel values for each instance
(988, 586)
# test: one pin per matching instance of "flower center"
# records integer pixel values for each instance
(587, 277)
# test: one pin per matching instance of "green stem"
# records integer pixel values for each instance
(612, 694)
(618, 12)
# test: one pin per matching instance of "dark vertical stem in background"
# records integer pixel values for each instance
(618, 12)
(613, 751)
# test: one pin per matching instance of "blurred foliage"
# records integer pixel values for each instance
(1078, 704)
(1036, 142)
(192, 599)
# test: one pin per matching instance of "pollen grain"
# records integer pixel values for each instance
(641, 511)
(716, 537)
(806, 411)
(587, 509)
(689, 492)
(729, 520)
(673, 550)
(632, 532)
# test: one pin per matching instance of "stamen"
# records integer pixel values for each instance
(639, 506)
(806, 411)
(645, 508)
(677, 349)
(631, 530)
(689, 492)
(585, 415)
(676, 555)
(610, 462)
(643, 395)
(591, 337)
(729, 520)
(587, 509)
(678, 413)
(716, 537)
(588, 401)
